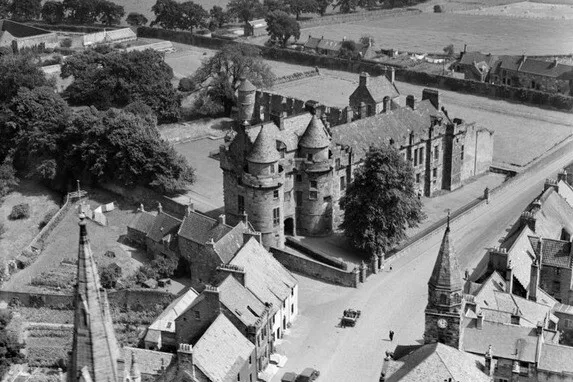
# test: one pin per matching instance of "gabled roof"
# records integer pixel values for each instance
(556, 358)
(265, 147)
(163, 225)
(222, 351)
(142, 222)
(446, 273)
(436, 363)
(200, 228)
(556, 253)
(228, 245)
(246, 86)
(521, 253)
(312, 42)
(471, 58)
(380, 87)
(331, 45)
(165, 322)
(150, 362)
(240, 301)
(380, 128)
(266, 277)
(315, 135)
(293, 129)
(535, 66)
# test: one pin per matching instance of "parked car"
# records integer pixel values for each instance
(350, 317)
(289, 377)
(308, 375)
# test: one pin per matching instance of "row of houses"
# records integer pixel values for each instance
(334, 48)
(518, 71)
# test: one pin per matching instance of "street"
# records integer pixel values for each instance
(395, 300)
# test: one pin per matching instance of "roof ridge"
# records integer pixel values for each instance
(442, 359)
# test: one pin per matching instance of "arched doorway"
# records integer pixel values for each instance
(289, 227)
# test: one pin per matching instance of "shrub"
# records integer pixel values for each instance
(187, 85)
(65, 51)
(20, 211)
(438, 8)
(109, 275)
(47, 217)
(66, 43)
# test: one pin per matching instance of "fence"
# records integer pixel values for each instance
(297, 76)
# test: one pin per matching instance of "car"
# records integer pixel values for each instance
(308, 375)
(289, 377)
(349, 317)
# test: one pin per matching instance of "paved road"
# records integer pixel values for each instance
(396, 300)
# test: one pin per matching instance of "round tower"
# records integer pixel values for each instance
(246, 100)
(314, 209)
(263, 180)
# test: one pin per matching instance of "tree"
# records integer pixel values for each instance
(110, 275)
(322, 6)
(367, 40)
(245, 10)
(53, 12)
(4, 9)
(296, 7)
(346, 6)
(167, 14)
(8, 179)
(191, 16)
(219, 76)
(81, 11)
(380, 203)
(9, 346)
(117, 79)
(218, 16)
(108, 12)
(136, 19)
(449, 50)
(282, 27)
(349, 49)
(24, 10)
(274, 5)
(19, 71)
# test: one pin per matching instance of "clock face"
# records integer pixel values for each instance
(442, 323)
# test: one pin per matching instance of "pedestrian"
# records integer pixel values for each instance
(391, 335)
(486, 195)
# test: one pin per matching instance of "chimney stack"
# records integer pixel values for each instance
(141, 208)
(221, 219)
(562, 176)
(392, 74)
(489, 361)
(432, 95)
(190, 208)
(411, 102)
(185, 358)
(534, 278)
(387, 103)
(509, 277)
(363, 79)
(479, 322)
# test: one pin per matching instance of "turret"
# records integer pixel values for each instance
(246, 100)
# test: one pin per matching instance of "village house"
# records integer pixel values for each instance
(475, 65)
(19, 36)
(256, 28)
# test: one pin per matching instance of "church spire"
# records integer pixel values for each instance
(446, 274)
(95, 352)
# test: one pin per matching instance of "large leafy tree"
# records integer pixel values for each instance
(53, 12)
(218, 16)
(346, 6)
(275, 5)
(117, 79)
(282, 27)
(81, 11)
(136, 19)
(4, 9)
(191, 16)
(380, 203)
(108, 12)
(24, 10)
(8, 179)
(245, 10)
(219, 76)
(18, 71)
(9, 347)
(322, 6)
(296, 7)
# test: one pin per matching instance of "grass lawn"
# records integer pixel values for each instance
(47, 346)
(19, 233)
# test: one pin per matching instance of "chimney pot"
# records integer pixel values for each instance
(221, 219)
(159, 208)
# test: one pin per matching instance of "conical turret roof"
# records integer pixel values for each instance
(446, 274)
(246, 85)
(265, 148)
(315, 135)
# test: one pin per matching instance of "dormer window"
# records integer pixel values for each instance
(272, 169)
(309, 157)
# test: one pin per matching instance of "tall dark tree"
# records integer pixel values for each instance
(322, 6)
(296, 7)
(346, 6)
(380, 203)
(275, 5)
(19, 71)
(136, 19)
(191, 16)
(81, 11)
(219, 75)
(24, 10)
(108, 12)
(218, 16)
(4, 9)
(120, 78)
(9, 346)
(167, 14)
(245, 10)
(53, 12)
(281, 27)
(349, 49)
(8, 179)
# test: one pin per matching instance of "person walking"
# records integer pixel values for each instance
(391, 335)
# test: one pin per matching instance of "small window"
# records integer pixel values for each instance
(342, 183)
(276, 216)
(238, 377)
(292, 308)
(292, 292)
(313, 184)
(251, 378)
(197, 315)
(417, 178)
(421, 155)
(287, 196)
(272, 168)
(313, 195)
(337, 163)
(298, 196)
(276, 194)
(241, 204)
(435, 172)
(462, 153)
(298, 178)
(250, 359)
(309, 157)
(515, 320)
(437, 152)
(415, 157)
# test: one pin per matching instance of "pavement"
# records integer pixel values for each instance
(395, 300)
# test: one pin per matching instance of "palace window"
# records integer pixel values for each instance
(417, 178)
(313, 195)
(313, 184)
(309, 157)
(241, 204)
(276, 216)
(437, 152)
(421, 155)
(462, 153)
(342, 183)
(275, 194)
(298, 196)
(435, 172)
(415, 157)
(298, 177)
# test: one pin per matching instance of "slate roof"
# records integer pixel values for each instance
(555, 214)
(509, 341)
(556, 253)
(380, 87)
(312, 42)
(331, 45)
(259, 23)
(240, 301)
(265, 147)
(246, 86)
(556, 358)
(228, 245)
(165, 322)
(380, 128)
(535, 66)
(436, 363)
(446, 273)
(200, 228)
(149, 361)
(266, 277)
(315, 135)
(163, 224)
(222, 351)
(142, 222)
(469, 58)
(521, 253)
(293, 128)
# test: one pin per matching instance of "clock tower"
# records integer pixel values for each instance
(445, 298)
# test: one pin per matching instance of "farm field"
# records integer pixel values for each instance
(431, 32)
(526, 10)
(536, 130)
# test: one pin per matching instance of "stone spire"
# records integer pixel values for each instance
(446, 274)
(265, 147)
(95, 352)
(315, 135)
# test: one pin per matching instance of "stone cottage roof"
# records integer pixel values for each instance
(165, 322)
(246, 86)
(142, 222)
(315, 135)
(556, 358)
(471, 58)
(150, 362)
(555, 253)
(312, 42)
(331, 45)
(535, 66)
(265, 148)
(200, 228)
(446, 273)
(222, 351)
(380, 87)
(240, 301)
(163, 225)
(228, 245)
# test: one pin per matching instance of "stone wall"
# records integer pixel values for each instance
(297, 76)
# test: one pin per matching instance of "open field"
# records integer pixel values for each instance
(432, 32)
(522, 133)
(526, 10)
(20, 233)
(61, 245)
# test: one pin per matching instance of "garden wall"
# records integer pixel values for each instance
(137, 299)
(359, 16)
(74, 28)
(297, 76)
